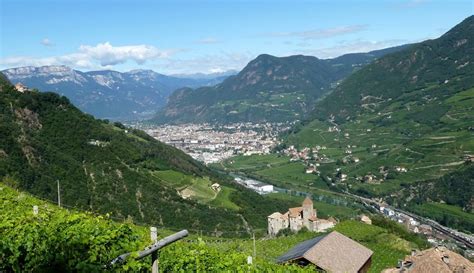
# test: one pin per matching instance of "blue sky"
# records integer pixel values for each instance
(209, 36)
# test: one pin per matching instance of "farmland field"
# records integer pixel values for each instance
(197, 188)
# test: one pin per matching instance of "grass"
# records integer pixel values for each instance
(223, 199)
(324, 210)
(173, 178)
(199, 188)
(279, 171)
(289, 174)
(240, 163)
(387, 247)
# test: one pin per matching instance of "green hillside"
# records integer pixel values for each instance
(61, 240)
(269, 88)
(412, 109)
(413, 81)
(108, 168)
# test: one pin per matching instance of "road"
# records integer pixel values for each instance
(463, 240)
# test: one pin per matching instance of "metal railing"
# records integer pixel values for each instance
(150, 250)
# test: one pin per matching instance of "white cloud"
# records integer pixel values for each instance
(208, 40)
(319, 33)
(106, 54)
(102, 55)
(349, 47)
(208, 63)
(47, 42)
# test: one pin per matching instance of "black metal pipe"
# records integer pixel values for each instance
(152, 248)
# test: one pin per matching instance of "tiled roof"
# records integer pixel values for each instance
(307, 201)
(437, 259)
(294, 212)
(275, 215)
(299, 250)
(333, 252)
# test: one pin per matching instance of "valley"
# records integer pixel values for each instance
(212, 137)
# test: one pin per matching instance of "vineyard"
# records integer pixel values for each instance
(59, 240)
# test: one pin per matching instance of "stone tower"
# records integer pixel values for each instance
(308, 210)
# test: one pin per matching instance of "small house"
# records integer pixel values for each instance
(216, 187)
(332, 252)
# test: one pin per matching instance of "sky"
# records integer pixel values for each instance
(183, 37)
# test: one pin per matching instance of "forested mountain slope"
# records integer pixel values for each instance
(423, 73)
(403, 122)
(108, 168)
(269, 88)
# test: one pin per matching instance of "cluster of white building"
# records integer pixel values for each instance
(255, 185)
(212, 143)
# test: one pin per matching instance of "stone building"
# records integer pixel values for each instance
(297, 218)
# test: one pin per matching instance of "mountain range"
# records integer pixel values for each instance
(269, 88)
(110, 94)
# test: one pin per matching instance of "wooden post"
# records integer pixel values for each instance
(254, 250)
(249, 260)
(59, 195)
(154, 255)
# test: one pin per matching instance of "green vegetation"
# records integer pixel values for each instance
(453, 193)
(61, 240)
(291, 175)
(196, 188)
(278, 170)
(58, 240)
(245, 163)
(388, 246)
(107, 168)
(412, 109)
(447, 215)
(223, 199)
(324, 209)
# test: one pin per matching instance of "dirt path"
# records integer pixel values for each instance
(440, 165)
